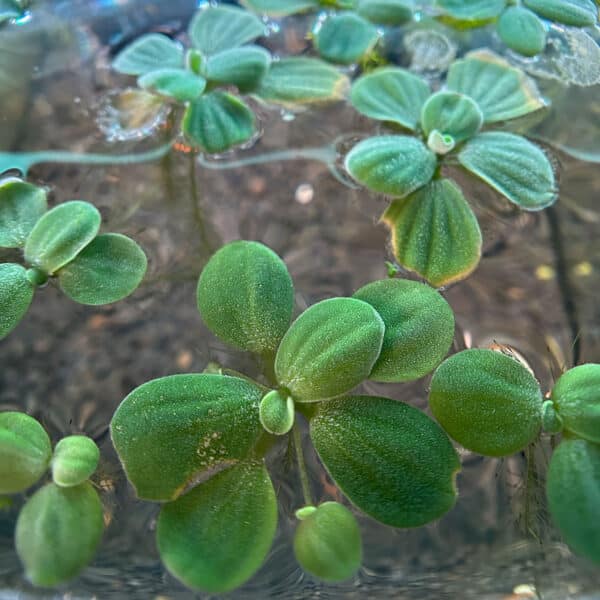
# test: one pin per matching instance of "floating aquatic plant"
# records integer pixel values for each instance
(62, 244)
(197, 442)
(60, 526)
(434, 231)
(221, 56)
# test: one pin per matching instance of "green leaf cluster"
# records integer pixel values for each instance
(521, 26)
(492, 404)
(197, 442)
(434, 231)
(60, 526)
(62, 243)
(222, 55)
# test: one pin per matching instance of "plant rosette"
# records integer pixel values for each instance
(434, 231)
(60, 526)
(491, 404)
(197, 442)
(222, 56)
(61, 244)
(523, 25)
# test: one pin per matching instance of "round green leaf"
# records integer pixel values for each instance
(578, 13)
(390, 94)
(246, 297)
(181, 84)
(217, 28)
(61, 234)
(297, 80)
(329, 349)
(16, 294)
(391, 164)
(487, 401)
(149, 53)
(276, 413)
(502, 92)
(344, 38)
(327, 543)
(25, 452)
(573, 490)
(171, 432)
(386, 12)
(576, 399)
(513, 166)
(243, 67)
(21, 206)
(280, 8)
(218, 121)
(419, 328)
(109, 268)
(58, 531)
(472, 10)
(217, 536)
(390, 459)
(74, 461)
(522, 31)
(435, 233)
(452, 114)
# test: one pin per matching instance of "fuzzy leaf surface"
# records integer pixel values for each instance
(522, 31)
(25, 452)
(513, 166)
(391, 460)
(472, 10)
(395, 165)
(16, 294)
(245, 296)
(243, 67)
(149, 53)
(21, 206)
(173, 431)
(452, 114)
(180, 84)
(216, 537)
(58, 531)
(386, 12)
(578, 13)
(108, 269)
(390, 94)
(487, 401)
(329, 349)
(74, 460)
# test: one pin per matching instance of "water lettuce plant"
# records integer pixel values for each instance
(522, 25)
(60, 526)
(62, 244)
(221, 56)
(492, 404)
(434, 231)
(197, 442)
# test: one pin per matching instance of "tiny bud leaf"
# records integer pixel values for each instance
(277, 413)
(74, 460)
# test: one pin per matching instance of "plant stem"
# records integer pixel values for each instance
(301, 465)
(196, 209)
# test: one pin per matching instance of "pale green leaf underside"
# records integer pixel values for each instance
(217, 28)
(16, 294)
(487, 401)
(243, 67)
(522, 31)
(61, 234)
(58, 531)
(171, 432)
(218, 121)
(435, 233)
(386, 12)
(578, 13)
(391, 460)
(395, 165)
(245, 296)
(513, 166)
(21, 206)
(180, 84)
(345, 38)
(298, 80)
(502, 92)
(573, 490)
(329, 349)
(149, 53)
(216, 536)
(108, 269)
(280, 8)
(25, 452)
(419, 328)
(472, 10)
(390, 94)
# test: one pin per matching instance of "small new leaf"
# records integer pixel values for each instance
(452, 114)
(180, 84)
(149, 53)
(277, 413)
(74, 460)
